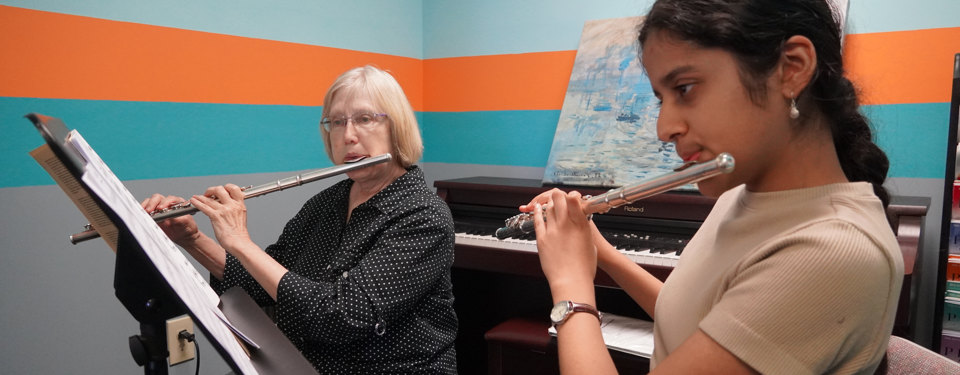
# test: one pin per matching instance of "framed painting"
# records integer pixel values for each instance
(607, 132)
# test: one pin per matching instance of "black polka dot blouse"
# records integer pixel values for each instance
(372, 295)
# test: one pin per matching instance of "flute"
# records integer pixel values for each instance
(685, 174)
(185, 208)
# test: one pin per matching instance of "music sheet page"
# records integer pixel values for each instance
(70, 186)
(628, 335)
(189, 284)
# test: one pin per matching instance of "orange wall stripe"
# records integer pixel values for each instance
(529, 81)
(52, 55)
(890, 68)
(903, 66)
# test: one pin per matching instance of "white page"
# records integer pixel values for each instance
(189, 284)
(628, 335)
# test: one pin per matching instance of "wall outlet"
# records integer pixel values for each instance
(180, 349)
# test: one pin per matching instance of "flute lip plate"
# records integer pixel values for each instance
(685, 166)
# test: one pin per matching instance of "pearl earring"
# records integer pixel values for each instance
(794, 111)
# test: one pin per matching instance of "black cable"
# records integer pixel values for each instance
(184, 335)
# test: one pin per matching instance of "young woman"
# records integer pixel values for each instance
(796, 269)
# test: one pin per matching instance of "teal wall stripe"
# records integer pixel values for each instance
(914, 136)
(393, 27)
(873, 16)
(143, 140)
(523, 138)
(516, 138)
(493, 27)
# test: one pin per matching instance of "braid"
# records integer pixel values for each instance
(860, 158)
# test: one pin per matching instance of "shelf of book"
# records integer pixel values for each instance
(950, 334)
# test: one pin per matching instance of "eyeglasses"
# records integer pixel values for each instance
(366, 121)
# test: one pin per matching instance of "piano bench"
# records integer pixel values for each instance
(523, 346)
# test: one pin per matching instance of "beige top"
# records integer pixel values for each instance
(791, 282)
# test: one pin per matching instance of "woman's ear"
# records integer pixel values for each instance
(798, 63)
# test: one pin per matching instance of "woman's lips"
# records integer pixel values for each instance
(692, 157)
(350, 158)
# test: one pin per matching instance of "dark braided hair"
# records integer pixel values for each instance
(755, 31)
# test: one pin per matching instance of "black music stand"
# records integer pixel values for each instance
(151, 299)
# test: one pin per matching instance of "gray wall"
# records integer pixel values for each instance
(59, 314)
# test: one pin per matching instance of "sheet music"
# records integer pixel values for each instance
(69, 184)
(189, 284)
(628, 335)
(240, 335)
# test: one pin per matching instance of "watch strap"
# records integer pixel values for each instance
(584, 307)
(575, 307)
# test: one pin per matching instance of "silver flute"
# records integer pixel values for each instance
(185, 208)
(685, 174)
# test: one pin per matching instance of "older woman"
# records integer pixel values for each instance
(360, 277)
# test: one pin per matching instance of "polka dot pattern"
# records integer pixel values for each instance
(372, 295)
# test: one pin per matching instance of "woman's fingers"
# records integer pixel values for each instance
(575, 207)
(556, 204)
(158, 202)
(542, 199)
(235, 192)
(538, 227)
(564, 241)
(151, 203)
(169, 200)
(202, 203)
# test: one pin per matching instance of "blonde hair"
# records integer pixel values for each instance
(387, 94)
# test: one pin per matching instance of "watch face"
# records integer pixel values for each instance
(559, 311)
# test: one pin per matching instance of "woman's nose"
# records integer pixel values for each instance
(350, 133)
(669, 126)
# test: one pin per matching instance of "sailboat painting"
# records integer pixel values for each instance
(607, 133)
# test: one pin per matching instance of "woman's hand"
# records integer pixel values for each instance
(543, 199)
(607, 254)
(228, 215)
(565, 244)
(182, 229)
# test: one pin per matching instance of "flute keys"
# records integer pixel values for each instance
(176, 206)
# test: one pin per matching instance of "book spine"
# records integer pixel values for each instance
(951, 314)
(950, 345)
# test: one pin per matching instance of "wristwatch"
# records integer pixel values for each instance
(563, 309)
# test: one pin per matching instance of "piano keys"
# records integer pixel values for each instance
(652, 231)
(644, 249)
